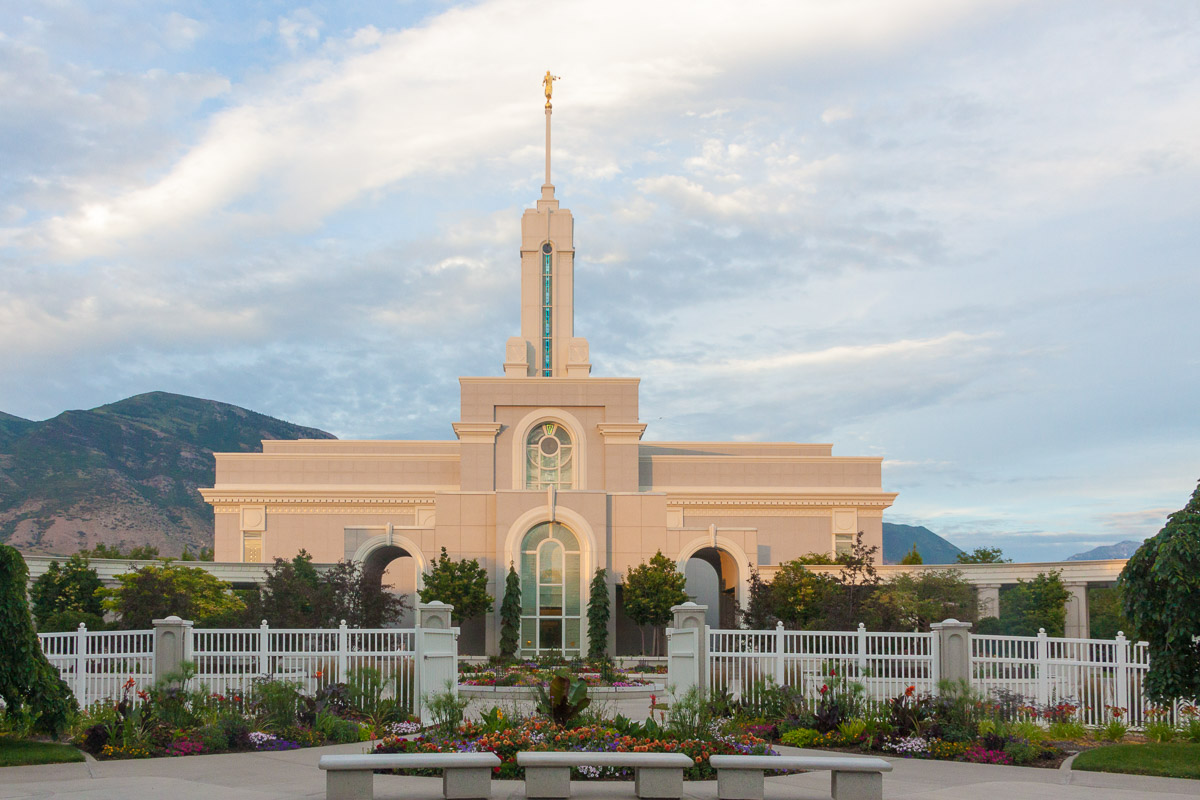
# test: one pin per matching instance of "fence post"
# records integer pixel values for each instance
(1043, 668)
(1121, 674)
(780, 663)
(264, 649)
(172, 645)
(343, 655)
(953, 649)
(862, 649)
(687, 649)
(436, 658)
(81, 636)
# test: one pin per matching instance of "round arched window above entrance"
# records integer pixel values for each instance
(549, 457)
(550, 591)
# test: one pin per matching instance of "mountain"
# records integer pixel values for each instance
(899, 539)
(1118, 550)
(123, 474)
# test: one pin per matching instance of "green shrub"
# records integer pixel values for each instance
(1022, 751)
(1114, 730)
(236, 730)
(446, 709)
(1068, 730)
(276, 703)
(213, 737)
(801, 737)
(1027, 730)
(1159, 730)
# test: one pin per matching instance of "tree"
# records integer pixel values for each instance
(462, 584)
(858, 578)
(205, 554)
(760, 604)
(598, 613)
(140, 553)
(156, 591)
(1035, 604)
(1159, 589)
(65, 596)
(510, 615)
(910, 602)
(290, 595)
(649, 591)
(1105, 619)
(26, 676)
(349, 592)
(983, 555)
(799, 597)
(912, 556)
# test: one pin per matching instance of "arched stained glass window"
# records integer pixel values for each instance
(549, 457)
(550, 591)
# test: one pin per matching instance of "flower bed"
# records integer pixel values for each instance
(532, 673)
(541, 735)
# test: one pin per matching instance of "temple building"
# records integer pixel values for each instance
(548, 471)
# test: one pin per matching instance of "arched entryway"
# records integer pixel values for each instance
(395, 562)
(551, 575)
(712, 580)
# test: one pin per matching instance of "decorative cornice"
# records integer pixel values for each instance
(621, 432)
(477, 432)
(719, 457)
(724, 498)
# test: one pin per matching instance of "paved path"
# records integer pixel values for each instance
(294, 774)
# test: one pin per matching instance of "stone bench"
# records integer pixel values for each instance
(655, 775)
(854, 777)
(465, 776)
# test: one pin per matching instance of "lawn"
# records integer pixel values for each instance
(20, 752)
(1167, 760)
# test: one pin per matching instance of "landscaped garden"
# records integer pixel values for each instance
(596, 673)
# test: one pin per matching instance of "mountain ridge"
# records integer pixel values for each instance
(125, 473)
(899, 539)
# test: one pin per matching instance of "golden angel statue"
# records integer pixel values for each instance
(548, 85)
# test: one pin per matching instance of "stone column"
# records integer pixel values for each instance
(687, 649)
(989, 599)
(1077, 611)
(172, 645)
(954, 649)
(436, 656)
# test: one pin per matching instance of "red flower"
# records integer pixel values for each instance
(824, 688)
(909, 691)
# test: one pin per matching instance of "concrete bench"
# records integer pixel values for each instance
(465, 776)
(854, 777)
(655, 775)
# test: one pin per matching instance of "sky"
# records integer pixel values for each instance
(961, 236)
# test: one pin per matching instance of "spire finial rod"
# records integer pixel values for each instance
(548, 88)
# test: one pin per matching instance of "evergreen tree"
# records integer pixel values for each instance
(26, 677)
(510, 616)
(983, 555)
(1159, 590)
(597, 613)
(650, 590)
(912, 556)
(462, 584)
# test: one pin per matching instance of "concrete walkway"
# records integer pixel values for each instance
(291, 774)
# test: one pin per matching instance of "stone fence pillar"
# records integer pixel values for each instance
(1077, 626)
(989, 599)
(687, 649)
(954, 649)
(435, 662)
(172, 645)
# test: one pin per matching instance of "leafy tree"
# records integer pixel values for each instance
(983, 555)
(290, 595)
(205, 554)
(598, 613)
(799, 597)
(156, 591)
(510, 615)
(760, 604)
(65, 596)
(650, 590)
(1160, 586)
(858, 578)
(1105, 619)
(911, 602)
(1035, 604)
(912, 556)
(140, 553)
(348, 592)
(26, 676)
(462, 584)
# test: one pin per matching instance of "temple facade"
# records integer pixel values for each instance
(548, 471)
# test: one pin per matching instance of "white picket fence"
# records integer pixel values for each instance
(228, 661)
(1095, 675)
(97, 665)
(885, 663)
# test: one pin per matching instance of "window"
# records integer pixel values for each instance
(843, 544)
(549, 457)
(550, 591)
(547, 311)
(252, 549)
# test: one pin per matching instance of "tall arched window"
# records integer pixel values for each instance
(550, 591)
(549, 457)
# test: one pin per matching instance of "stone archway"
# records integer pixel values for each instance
(712, 580)
(397, 562)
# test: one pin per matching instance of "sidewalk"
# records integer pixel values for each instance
(292, 774)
